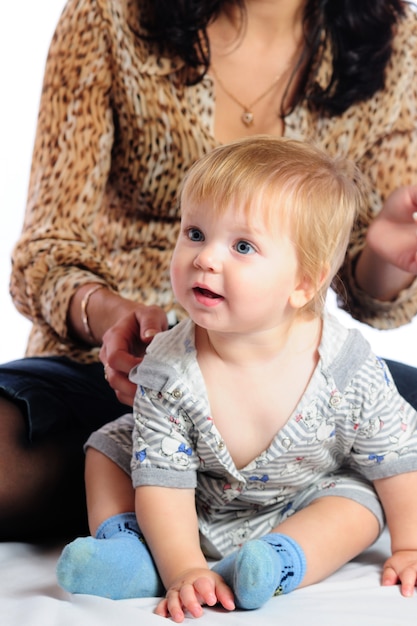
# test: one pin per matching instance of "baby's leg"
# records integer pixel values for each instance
(331, 531)
(307, 547)
(116, 562)
(109, 489)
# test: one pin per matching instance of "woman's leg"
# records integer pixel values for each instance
(405, 378)
(48, 408)
(41, 484)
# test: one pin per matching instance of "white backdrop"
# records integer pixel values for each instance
(26, 28)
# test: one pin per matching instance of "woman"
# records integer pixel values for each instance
(134, 93)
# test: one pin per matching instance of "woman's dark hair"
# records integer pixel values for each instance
(360, 33)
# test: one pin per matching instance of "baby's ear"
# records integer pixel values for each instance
(302, 294)
(306, 289)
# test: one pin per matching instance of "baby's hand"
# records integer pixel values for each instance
(401, 568)
(193, 589)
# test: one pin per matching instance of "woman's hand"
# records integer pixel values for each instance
(393, 234)
(124, 344)
(193, 589)
(401, 567)
(388, 263)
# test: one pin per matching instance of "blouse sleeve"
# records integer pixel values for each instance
(392, 163)
(383, 137)
(56, 252)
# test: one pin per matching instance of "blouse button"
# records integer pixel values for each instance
(220, 445)
(177, 393)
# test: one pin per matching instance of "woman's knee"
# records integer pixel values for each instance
(13, 426)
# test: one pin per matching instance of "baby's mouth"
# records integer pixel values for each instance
(206, 293)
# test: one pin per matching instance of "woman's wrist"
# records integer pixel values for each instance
(88, 312)
(84, 312)
(379, 279)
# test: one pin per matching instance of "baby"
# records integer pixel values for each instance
(265, 436)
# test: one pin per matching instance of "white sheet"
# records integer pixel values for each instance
(353, 596)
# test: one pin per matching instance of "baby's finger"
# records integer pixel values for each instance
(389, 576)
(173, 606)
(162, 608)
(205, 589)
(408, 581)
(189, 600)
(225, 596)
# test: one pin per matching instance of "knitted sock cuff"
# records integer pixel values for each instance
(290, 551)
(121, 523)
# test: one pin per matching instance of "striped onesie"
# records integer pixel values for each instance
(350, 427)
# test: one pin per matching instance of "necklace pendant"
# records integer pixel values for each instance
(247, 118)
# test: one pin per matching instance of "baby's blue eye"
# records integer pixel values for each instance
(195, 234)
(243, 247)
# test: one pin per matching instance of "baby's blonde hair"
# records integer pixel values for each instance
(292, 185)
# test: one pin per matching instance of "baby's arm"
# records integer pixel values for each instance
(168, 520)
(398, 495)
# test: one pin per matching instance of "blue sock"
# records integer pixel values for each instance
(262, 568)
(115, 564)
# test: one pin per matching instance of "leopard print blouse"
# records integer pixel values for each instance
(116, 132)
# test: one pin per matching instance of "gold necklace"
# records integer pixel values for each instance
(247, 116)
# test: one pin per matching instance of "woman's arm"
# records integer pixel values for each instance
(74, 221)
(57, 251)
(382, 136)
